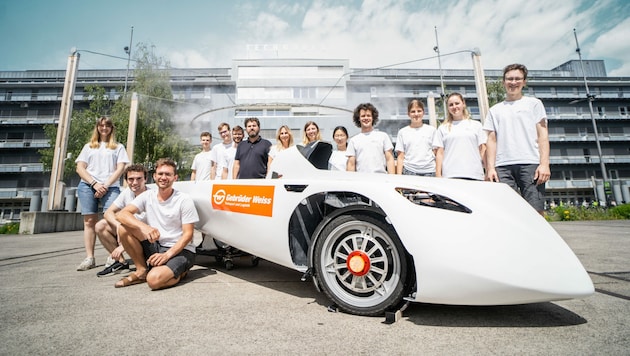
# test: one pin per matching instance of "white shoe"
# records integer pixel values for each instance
(88, 263)
(110, 261)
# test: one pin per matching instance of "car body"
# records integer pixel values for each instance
(372, 241)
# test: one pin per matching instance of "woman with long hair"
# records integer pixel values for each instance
(100, 165)
(460, 143)
(284, 138)
(311, 133)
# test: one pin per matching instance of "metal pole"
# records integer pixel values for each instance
(61, 142)
(442, 94)
(128, 51)
(590, 99)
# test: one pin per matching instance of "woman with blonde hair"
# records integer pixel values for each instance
(311, 133)
(460, 143)
(284, 138)
(100, 165)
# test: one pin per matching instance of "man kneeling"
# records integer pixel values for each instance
(162, 248)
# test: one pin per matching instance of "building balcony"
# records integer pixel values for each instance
(588, 159)
(21, 167)
(24, 143)
(29, 120)
(589, 138)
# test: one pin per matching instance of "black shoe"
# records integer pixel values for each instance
(116, 268)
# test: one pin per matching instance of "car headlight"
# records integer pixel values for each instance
(432, 200)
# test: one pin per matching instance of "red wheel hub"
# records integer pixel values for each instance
(358, 263)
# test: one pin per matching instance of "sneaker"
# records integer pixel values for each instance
(88, 263)
(110, 261)
(115, 268)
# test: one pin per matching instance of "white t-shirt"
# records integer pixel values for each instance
(417, 145)
(338, 161)
(125, 197)
(168, 216)
(369, 149)
(514, 123)
(228, 160)
(202, 164)
(461, 140)
(102, 161)
(219, 157)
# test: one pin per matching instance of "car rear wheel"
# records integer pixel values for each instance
(360, 264)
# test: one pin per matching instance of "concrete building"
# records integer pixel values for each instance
(292, 92)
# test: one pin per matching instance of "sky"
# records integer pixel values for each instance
(38, 34)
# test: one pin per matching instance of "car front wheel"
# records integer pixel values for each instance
(361, 264)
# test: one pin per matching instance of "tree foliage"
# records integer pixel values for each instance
(156, 135)
(496, 91)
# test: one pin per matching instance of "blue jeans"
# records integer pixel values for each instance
(89, 204)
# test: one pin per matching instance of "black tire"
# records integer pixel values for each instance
(361, 264)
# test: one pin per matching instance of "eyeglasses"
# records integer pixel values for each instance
(104, 125)
(514, 79)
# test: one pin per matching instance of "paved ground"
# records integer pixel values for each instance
(46, 307)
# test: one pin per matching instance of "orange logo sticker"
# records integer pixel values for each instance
(246, 199)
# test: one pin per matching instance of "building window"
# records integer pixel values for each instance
(601, 111)
(623, 110)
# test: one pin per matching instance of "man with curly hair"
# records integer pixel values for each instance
(369, 151)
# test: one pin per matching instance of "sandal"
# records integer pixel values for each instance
(129, 281)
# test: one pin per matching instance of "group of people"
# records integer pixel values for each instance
(155, 227)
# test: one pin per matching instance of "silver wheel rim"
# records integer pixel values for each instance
(383, 275)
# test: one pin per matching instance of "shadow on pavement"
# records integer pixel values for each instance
(523, 315)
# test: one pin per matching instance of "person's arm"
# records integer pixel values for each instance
(491, 157)
(236, 168)
(110, 215)
(193, 175)
(482, 154)
(439, 158)
(158, 259)
(213, 170)
(389, 161)
(83, 173)
(224, 173)
(543, 172)
(128, 220)
(351, 164)
(400, 158)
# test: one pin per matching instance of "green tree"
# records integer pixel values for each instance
(496, 91)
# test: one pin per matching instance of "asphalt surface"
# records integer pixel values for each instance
(47, 307)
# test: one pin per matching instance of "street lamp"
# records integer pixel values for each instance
(590, 97)
(128, 51)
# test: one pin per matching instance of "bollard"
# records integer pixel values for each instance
(45, 199)
(71, 199)
(36, 200)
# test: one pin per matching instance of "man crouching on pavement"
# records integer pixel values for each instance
(161, 248)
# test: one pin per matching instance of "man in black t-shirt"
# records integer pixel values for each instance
(252, 154)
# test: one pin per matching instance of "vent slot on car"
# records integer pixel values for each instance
(432, 200)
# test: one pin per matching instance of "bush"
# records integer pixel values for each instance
(621, 211)
(574, 213)
(10, 228)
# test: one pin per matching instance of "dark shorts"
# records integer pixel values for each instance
(179, 264)
(521, 178)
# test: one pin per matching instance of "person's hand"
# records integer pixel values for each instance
(152, 234)
(542, 175)
(117, 253)
(492, 176)
(158, 259)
